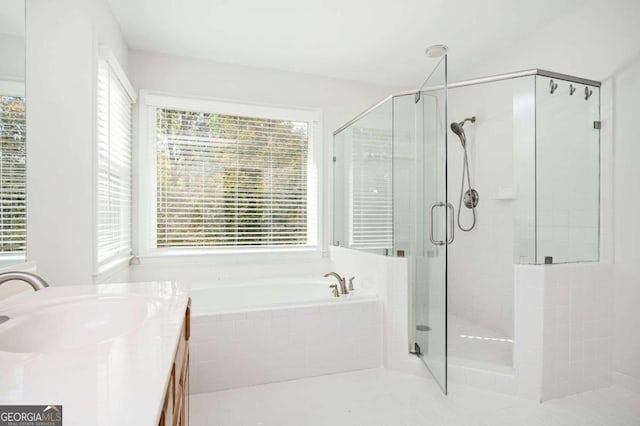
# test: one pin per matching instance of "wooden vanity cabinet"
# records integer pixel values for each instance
(175, 409)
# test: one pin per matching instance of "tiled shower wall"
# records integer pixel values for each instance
(480, 262)
(563, 329)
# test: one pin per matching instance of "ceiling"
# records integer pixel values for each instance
(364, 40)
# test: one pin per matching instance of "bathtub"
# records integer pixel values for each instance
(245, 295)
(247, 333)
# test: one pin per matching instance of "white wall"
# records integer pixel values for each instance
(340, 100)
(62, 38)
(626, 350)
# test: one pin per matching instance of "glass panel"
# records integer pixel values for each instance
(404, 133)
(363, 201)
(429, 311)
(524, 155)
(567, 171)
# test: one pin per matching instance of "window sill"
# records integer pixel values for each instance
(227, 256)
(17, 264)
(8, 260)
(108, 269)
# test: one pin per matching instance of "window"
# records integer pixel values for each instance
(12, 172)
(113, 181)
(230, 177)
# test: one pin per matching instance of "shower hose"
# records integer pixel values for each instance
(465, 172)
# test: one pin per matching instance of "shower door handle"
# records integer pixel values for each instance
(452, 225)
(431, 238)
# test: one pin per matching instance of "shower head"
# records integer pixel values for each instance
(458, 130)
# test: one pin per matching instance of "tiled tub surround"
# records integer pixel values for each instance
(563, 329)
(280, 339)
(388, 277)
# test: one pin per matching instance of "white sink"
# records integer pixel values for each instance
(74, 324)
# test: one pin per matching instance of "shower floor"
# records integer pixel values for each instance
(473, 345)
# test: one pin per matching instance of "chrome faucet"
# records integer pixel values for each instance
(341, 281)
(33, 280)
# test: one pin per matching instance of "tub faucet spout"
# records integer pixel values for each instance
(341, 281)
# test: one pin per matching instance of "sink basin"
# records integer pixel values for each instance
(73, 324)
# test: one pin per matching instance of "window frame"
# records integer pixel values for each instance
(16, 89)
(145, 177)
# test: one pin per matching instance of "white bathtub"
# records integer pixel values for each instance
(234, 296)
(252, 332)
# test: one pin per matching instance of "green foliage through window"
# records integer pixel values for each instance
(12, 175)
(230, 181)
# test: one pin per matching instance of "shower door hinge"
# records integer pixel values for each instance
(417, 97)
(416, 350)
(597, 125)
(334, 158)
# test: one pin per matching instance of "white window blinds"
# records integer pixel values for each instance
(12, 175)
(231, 181)
(371, 189)
(113, 167)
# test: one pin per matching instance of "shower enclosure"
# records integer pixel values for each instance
(533, 159)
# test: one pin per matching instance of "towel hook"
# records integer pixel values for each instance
(587, 93)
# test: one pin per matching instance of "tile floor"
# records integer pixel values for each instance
(381, 397)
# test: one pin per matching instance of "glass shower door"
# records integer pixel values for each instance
(434, 226)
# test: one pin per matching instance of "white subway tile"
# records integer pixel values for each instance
(563, 372)
(562, 353)
(577, 352)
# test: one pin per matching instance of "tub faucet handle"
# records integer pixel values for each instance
(351, 283)
(334, 289)
(341, 281)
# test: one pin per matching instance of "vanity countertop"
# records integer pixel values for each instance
(118, 381)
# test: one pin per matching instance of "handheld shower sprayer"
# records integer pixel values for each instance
(458, 130)
(471, 196)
